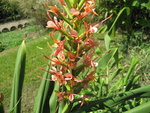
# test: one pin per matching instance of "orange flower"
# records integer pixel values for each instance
(74, 12)
(71, 56)
(55, 61)
(89, 8)
(54, 10)
(56, 76)
(62, 2)
(60, 47)
(73, 33)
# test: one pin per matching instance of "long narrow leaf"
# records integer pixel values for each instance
(118, 16)
(103, 62)
(107, 41)
(53, 98)
(1, 108)
(18, 78)
(131, 68)
(143, 108)
(42, 100)
(113, 100)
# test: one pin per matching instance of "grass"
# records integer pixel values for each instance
(143, 67)
(36, 50)
(14, 38)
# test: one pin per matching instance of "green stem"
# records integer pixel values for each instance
(66, 19)
(68, 4)
(68, 12)
(80, 4)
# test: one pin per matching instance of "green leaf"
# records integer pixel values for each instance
(115, 74)
(68, 4)
(143, 108)
(112, 101)
(1, 108)
(81, 3)
(127, 9)
(41, 104)
(61, 106)
(18, 78)
(103, 62)
(130, 70)
(53, 98)
(107, 41)
(146, 5)
(144, 23)
(68, 12)
(135, 3)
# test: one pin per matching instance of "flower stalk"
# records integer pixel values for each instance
(73, 54)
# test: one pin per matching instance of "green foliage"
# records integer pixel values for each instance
(2, 47)
(36, 9)
(18, 78)
(53, 98)
(143, 108)
(42, 99)
(143, 54)
(9, 10)
(112, 101)
(128, 16)
(114, 88)
(1, 108)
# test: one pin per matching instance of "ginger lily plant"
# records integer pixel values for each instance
(74, 52)
(73, 61)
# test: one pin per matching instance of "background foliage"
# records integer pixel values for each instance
(9, 10)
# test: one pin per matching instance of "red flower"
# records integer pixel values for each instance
(77, 80)
(89, 8)
(73, 33)
(51, 24)
(60, 96)
(74, 12)
(68, 76)
(90, 77)
(93, 29)
(72, 65)
(55, 61)
(90, 43)
(55, 24)
(61, 56)
(62, 2)
(56, 76)
(71, 96)
(88, 59)
(71, 56)
(60, 47)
